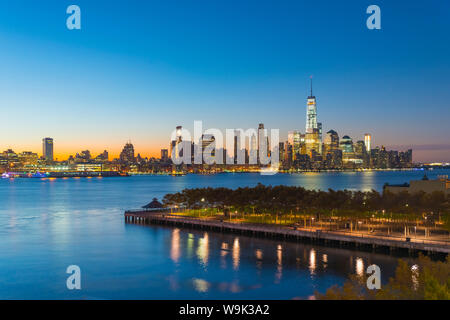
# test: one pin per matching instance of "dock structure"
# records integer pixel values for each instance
(339, 238)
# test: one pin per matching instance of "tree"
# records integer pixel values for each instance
(426, 280)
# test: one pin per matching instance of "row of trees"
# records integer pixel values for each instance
(291, 199)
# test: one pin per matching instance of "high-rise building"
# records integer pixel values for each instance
(331, 141)
(311, 113)
(313, 143)
(164, 155)
(346, 145)
(359, 149)
(175, 144)
(297, 140)
(368, 142)
(208, 143)
(127, 154)
(47, 149)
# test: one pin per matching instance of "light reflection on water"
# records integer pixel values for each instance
(46, 225)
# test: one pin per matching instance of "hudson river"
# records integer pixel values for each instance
(47, 225)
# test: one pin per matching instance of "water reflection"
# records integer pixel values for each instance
(279, 273)
(259, 257)
(223, 253)
(236, 254)
(312, 262)
(203, 249)
(359, 267)
(175, 246)
(201, 285)
(190, 245)
(325, 261)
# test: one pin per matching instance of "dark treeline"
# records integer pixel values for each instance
(291, 199)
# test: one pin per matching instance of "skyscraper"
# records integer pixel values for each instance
(367, 142)
(346, 145)
(331, 141)
(164, 155)
(311, 113)
(174, 144)
(127, 154)
(47, 149)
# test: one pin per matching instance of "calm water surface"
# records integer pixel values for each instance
(47, 225)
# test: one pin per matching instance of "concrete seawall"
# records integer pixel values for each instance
(288, 233)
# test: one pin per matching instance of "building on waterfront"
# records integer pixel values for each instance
(127, 154)
(103, 157)
(28, 158)
(441, 184)
(313, 143)
(175, 144)
(263, 141)
(346, 145)
(331, 142)
(311, 113)
(297, 140)
(47, 149)
(164, 155)
(83, 157)
(368, 142)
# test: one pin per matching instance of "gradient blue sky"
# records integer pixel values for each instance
(139, 68)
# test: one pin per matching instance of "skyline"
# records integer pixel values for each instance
(135, 71)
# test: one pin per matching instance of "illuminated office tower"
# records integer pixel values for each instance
(312, 142)
(295, 139)
(367, 142)
(331, 142)
(359, 149)
(319, 127)
(311, 113)
(263, 140)
(47, 149)
(174, 144)
(346, 145)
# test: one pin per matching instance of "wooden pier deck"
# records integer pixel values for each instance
(288, 233)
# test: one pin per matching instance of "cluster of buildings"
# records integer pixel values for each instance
(314, 150)
(311, 150)
(84, 161)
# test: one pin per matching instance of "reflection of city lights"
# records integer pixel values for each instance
(224, 250)
(190, 244)
(236, 253)
(203, 249)
(312, 261)
(279, 262)
(415, 276)
(259, 254)
(325, 260)
(201, 285)
(279, 256)
(223, 253)
(175, 248)
(359, 267)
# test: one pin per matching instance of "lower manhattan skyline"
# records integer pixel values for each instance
(112, 82)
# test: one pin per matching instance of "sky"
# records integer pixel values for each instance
(137, 69)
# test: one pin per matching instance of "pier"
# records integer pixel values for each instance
(332, 238)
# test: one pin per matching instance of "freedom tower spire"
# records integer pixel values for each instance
(311, 112)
